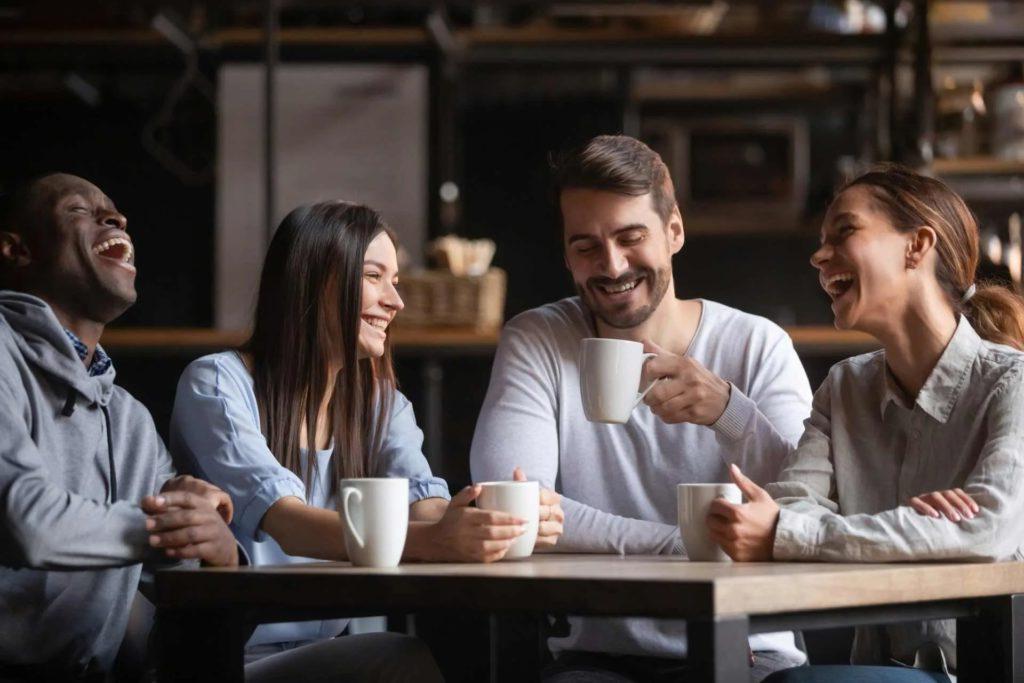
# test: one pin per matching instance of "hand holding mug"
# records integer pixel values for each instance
(687, 392)
(551, 515)
(746, 532)
(469, 534)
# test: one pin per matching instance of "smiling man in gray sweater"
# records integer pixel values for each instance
(733, 391)
(87, 489)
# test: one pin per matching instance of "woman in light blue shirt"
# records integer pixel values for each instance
(930, 423)
(311, 400)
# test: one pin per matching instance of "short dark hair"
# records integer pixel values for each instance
(616, 163)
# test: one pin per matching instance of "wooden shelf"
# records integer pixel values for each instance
(202, 340)
(809, 340)
(975, 166)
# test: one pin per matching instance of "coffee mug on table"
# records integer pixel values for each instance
(375, 513)
(609, 378)
(693, 501)
(520, 499)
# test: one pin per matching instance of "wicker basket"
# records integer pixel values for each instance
(436, 297)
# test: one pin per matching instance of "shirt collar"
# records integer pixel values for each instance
(942, 389)
(100, 360)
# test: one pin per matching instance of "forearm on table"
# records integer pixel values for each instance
(896, 535)
(589, 530)
(306, 531)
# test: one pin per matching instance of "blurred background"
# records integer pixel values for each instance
(442, 115)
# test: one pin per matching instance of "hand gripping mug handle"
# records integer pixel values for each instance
(347, 493)
(640, 397)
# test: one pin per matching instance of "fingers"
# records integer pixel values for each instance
(215, 496)
(190, 535)
(552, 513)
(923, 508)
(967, 506)
(971, 502)
(491, 517)
(181, 499)
(549, 530)
(938, 501)
(718, 527)
(752, 491)
(518, 474)
(499, 532)
(466, 496)
(549, 498)
(724, 510)
(176, 519)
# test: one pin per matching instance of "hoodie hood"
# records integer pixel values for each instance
(34, 328)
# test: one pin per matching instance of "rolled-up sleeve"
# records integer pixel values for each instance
(215, 435)
(401, 454)
(810, 527)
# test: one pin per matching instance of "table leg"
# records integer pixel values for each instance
(989, 647)
(719, 649)
(200, 645)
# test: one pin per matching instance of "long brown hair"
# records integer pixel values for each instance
(307, 318)
(911, 200)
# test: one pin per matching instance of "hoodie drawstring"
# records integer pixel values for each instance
(110, 455)
(67, 411)
(69, 404)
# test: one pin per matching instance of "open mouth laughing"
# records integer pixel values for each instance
(838, 284)
(118, 249)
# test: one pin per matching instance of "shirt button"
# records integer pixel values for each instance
(916, 434)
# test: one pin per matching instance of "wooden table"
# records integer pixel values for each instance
(204, 615)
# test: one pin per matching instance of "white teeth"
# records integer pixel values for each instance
(378, 323)
(129, 250)
(831, 282)
(620, 288)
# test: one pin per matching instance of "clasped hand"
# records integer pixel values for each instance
(188, 519)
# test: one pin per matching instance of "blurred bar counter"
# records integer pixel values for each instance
(435, 341)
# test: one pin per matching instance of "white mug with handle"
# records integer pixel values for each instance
(610, 372)
(375, 513)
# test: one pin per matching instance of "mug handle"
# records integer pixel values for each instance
(640, 396)
(347, 493)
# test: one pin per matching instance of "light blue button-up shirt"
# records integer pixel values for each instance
(215, 435)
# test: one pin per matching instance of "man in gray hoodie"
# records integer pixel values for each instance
(87, 488)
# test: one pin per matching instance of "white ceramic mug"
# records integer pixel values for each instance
(520, 499)
(693, 501)
(609, 378)
(375, 513)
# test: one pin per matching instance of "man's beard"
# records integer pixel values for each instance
(657, 282)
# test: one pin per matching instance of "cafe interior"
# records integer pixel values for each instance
(207, 122)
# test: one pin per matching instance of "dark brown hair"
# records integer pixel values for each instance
(616, 163)
(911, 200)
(307, 319)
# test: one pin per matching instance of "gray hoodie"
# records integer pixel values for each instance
(77, 454)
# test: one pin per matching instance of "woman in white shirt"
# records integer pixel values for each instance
(932, 422)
